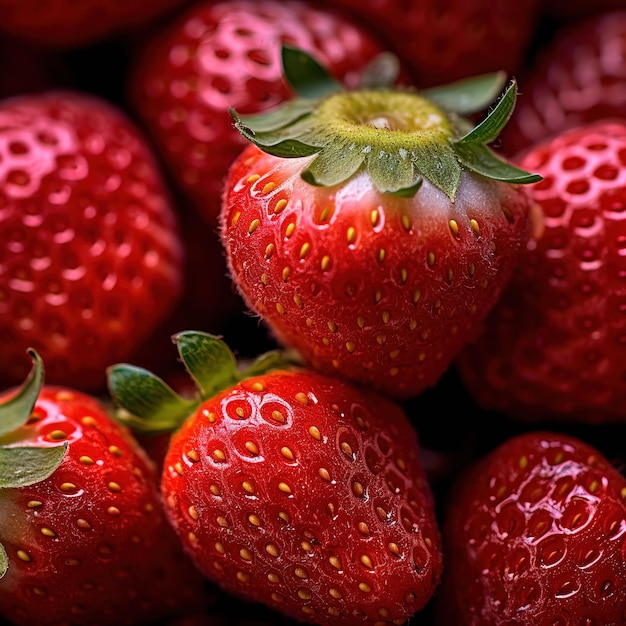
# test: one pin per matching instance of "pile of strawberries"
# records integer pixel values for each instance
(312, 311)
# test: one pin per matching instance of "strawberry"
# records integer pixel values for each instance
(83, 536)
(534, 534)
(553, 347)
(68, 24)
(290, 488)
(579, 77)
(443, 41)
(227, 54)
(377, 268)
(90, 258)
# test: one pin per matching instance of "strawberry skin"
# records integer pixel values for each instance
(306, 494)
(90, 257)
(64, 23)
(579, 77)
(380, 289)
(534, 534)
(89, 544)
(231, 59)
(553, 347)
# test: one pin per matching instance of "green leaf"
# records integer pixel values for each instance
(391, 172)
(17, 410)
(495, 121)
(277, 143)
(480, 159)
(382, 71)
(440, 166)
(305, 75)
(333, 165)
(468, 95)
(287, 114)
(153, 406)
(209, 361)
(21, 466)
(4, 561)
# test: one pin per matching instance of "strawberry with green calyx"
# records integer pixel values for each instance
(373, 229)
(290, 488)
(82, 531)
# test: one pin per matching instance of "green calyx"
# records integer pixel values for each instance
(24, 465)
(399, 136)
(148, 405)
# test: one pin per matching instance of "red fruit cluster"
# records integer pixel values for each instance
(406, 221)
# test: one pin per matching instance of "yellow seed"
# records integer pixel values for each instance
(417, 294)
(386, 317)
(315, 433)
(367, 562)
(332, 327)
(474, 225)
(68, 487)
(179, 468)
(48, 532)
(245, 554)
(253, 178)
(365, 588)
(57, 435)
(325, 262)
(285, 273)
(115, 451)
(219, 547)
(280, 205)
(280, 308)
(430, 259)
(335, 561)
(277, 597)
(300, 572)
(86, 460)
(378, 295)
(254, 224)
(113, 511)
(325, 214)
(381, 255)
(287, 453)
(306, 546)
(235, 218)
(113, 486)
(33, 504)
(302, 398)
(269, 186)
(193, 512)
(346, 449)
(247, 486)
(404, 275)
(289, 230)
(23, 556)
(265, 279)
(351, 234)
(88, 420)
(83, 523)
(219, 454)
(454, 227)
(305, 249)
(284, 487)
(357, 489)
(252, 448)
(269, 250)
(193, 456)
(335, 593)
(360, 321)
(304, 594)
(297, 300)
(363, 528)
(272, 549)
(278, 416)
(222, 521)
(273, 578)
(324, 474)
(394, 549)
(374, 217)
(215, 490)
(254, 519)
(406, 222)
(242, 577)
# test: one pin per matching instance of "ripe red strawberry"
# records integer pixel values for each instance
(227, 54)
(579, 77)
(290, 488)
(65, 23)
(377, 250)
(90, 258)
(453, 39)
(553, 348)
(83, 536)
(535, 534)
